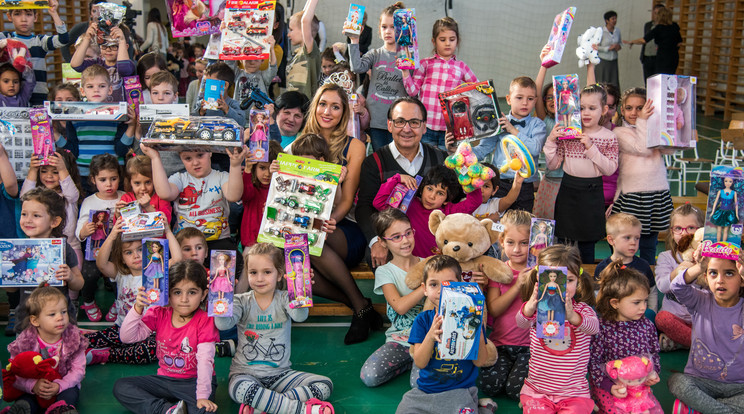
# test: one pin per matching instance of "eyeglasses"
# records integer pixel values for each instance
(680, 230)
(401, 123)
(109, 47)
(399, 237)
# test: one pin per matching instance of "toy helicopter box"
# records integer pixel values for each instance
(471, 111)
(86, 111)
(213, 91)
(139, 225)
(28, 262)
(148, 112)
(247, 26)
(258, 142)
(300, 199)
(402, 196)
(41, 134)
(191, 18)
(133, 92)
(672, 124)
(551, 301)
(354, 21)
(221, 283)
(406, 39)
(567, 108)
(297, 263)
(724, 213)
(155, 256)
(102, 221)
(195, 133)
(558, 37)
(462, 306)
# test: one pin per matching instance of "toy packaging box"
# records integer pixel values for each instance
(300, 198)
(551, 301)
(354, 21)
(41, 134)
(133, 92)
(102, 220)
(205, 133)
(724, 213)
(258, 142)
(247, 25)
(28, 262)
(406, 39)
(558, 37)
(86, 111)
(155, 256)
(401, 196)
(213, 91)
(354, 128)
(191, 18)
(297, 263)
(462, 306)
(23, 4)
(567, 104)
(541, 236)
(672, 124)
(471, 111)
(139, 225)
(110, 15)
(149, 112)
(221, 282)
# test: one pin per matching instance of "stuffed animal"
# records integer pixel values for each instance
(687, 245)
(15, 52)
(585, 52)
(632, 372)
(29, 364)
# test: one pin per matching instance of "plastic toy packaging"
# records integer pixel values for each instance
(402, 196)
(133, 92)
(258, 142)
(191, 18)
(353, 24)
(86, 111)
(148, 112)
(461, 306)
(558, 37)
(541, 236)
(246, 27)
(724, 214)
(631, 373)
(213, 91)
(200, 133)
(139, 225)
(672, 124)
(551, 301)
(406, 39)
(41, 134)
(221, 283)
(110, 15)
(24, 4)
(471, 174)
(354, 128)
(567, 105)
(102, 221)
(518, 157)
(297, 262)
(471, 111)
(300, 199)
(155, 270)
(28, 262)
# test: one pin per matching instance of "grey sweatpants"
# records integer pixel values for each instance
(706, 395)
(155, 394)
(447, 402)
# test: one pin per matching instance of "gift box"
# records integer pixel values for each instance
(258, 142)
(28, 262)
(353, 24)
(471, 111)
(551, 302)
(541, 236)
(133, 92)
(196, 133)
(724, 213)
(567, 105)
(221, 283)
(406, 39)
(297, 263)
(461, 306)
(247, 25)
(86, 111)
(213, 91)
(191, 18)
(558, 37)
(41, 134)
(402, 196)
(102, 220)
(672, 124)
(155, 256)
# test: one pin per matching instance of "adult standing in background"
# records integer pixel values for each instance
(156, 39)
(666, 35)
(606, 70)
(648, 50)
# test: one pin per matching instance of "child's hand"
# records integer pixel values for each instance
(63, 273)
(271, 41)
(142, 301)
(544, 52)
(148, 151)
(118, 228)
(619, 391)
(571, 316)
(237, 156)
(647, 110)
(57, 162)
(506, 124)
(585, 140)
(479, 277)
(92, 31)
(408, 181)
(342, 176)
(222, 105)
(518, 180)
(652, 379)
(435, 332)
(531, 305)
(555, 133)
(271, 108)
(202, 110)
(144, 200)
(88, 229)
(207, 405)
(46, 389)
(35, 163)
(329, 226)
(131, 116)
(274, 167)
(117, 35)
(53, 7)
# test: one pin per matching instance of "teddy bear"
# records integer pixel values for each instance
(32, 365)
(585, 52)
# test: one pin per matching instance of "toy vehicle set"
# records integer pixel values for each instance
(24, 4)
(86, 111)
(247, 26)
(461, 305)
(207, 133)
(297, 263)
(471, 111)
(148, 112)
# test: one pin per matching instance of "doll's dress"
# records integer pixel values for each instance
(221, 282)
(541, 242)
(637, 401)
(259, 134)
(404, 39)
(725, 214)
(566, 102)
(100, 233)
(551, 301)
(154, 269)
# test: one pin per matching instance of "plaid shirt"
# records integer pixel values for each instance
(434, 76)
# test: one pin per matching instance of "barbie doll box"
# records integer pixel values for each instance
(28, 262)
(406, 39)
(258, 141)
(551, 301)
(567, 108)
(101, 219)
(297, 262)
(723, 216)
(155, 270)
(41, 134)
(139, 225)
(86, 111)
(558, 37)
(672, 124)
(221, 283)
(471, 111)
(461, 306)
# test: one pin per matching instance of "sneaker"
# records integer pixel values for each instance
(92, 311)
(179, 408)
(20, 407)
(225, 348)
(113, 313)
(681, 408)
(10, 327)
(666, 344)
(61, 407)
(489, 404)
(97, 356)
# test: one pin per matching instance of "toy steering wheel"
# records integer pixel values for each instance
(485, 117)
(518, 157)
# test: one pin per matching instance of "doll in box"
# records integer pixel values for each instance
(540, 240)
(100, 220)
(551, 301)
(155, 268)
(221, 282)
(725, 211)
(566, 103)
(679, 115)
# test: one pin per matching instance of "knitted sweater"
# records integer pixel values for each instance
(641, 169)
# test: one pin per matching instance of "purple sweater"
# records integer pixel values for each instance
(27, 87)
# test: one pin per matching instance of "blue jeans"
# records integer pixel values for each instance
(379, 138)
(647, 247)
(434, 138)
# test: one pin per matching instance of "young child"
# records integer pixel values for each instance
(193, 245)
(610, 181)
(304, 68)
(12, 93)
(251, 75)
(439, 73)
(38, 45)
(147, 66)
(623, 234)
(504, 302)
(493, 207)
(713, 380)
(185, 338)
(673, 319)
(193, 90)
(529, 129)
(47, 330)
(386, 81)
(86, 139)
(257, 382)
(256, 180)
(623, 332)
(439, 190)
(139, 187)
(105, 176)
(228, 107)
(65, 92)
(403, 304)
(445, 386)
(163, 88)
(579, 206)
(556, 381)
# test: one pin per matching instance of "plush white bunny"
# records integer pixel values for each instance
(585, 52)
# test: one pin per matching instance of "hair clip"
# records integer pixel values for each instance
(581, 271)
(623, 267)
(45, 284)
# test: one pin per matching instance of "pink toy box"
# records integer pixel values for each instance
(672, 124)
(541, 236)
(258, 142)
(41, 134)
(462, 306)
(297, 262)
(191, 18)
(567, 108)
(221, 283)
(401, 196)
(558, 37)
(102, 220)
(724, 214)
(155, 270)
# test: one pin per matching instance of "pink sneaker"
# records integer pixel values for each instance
(97, 356)
(681, 408)
(112, 314)
(92, 311)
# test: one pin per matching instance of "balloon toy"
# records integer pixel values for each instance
(518, 157)
(470, 173)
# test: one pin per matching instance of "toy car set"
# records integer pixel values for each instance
(471, 111)
(461, 305)
(246, 29)
(139, 225)
(207, 133)
(148, 112)
(86, 111)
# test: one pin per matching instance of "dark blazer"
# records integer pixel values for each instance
(646, 28)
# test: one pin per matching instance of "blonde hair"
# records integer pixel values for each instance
(616, 222)
(513, 219)
(664, 16)
(39, 298)
(339, 139)
(266, 249)
(94, 71)
(562, 255)
(618, 281)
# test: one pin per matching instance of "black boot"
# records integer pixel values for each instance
(359, 329)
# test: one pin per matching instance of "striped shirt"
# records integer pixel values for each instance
(560, 372)
(86, 139)
(38, 47)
